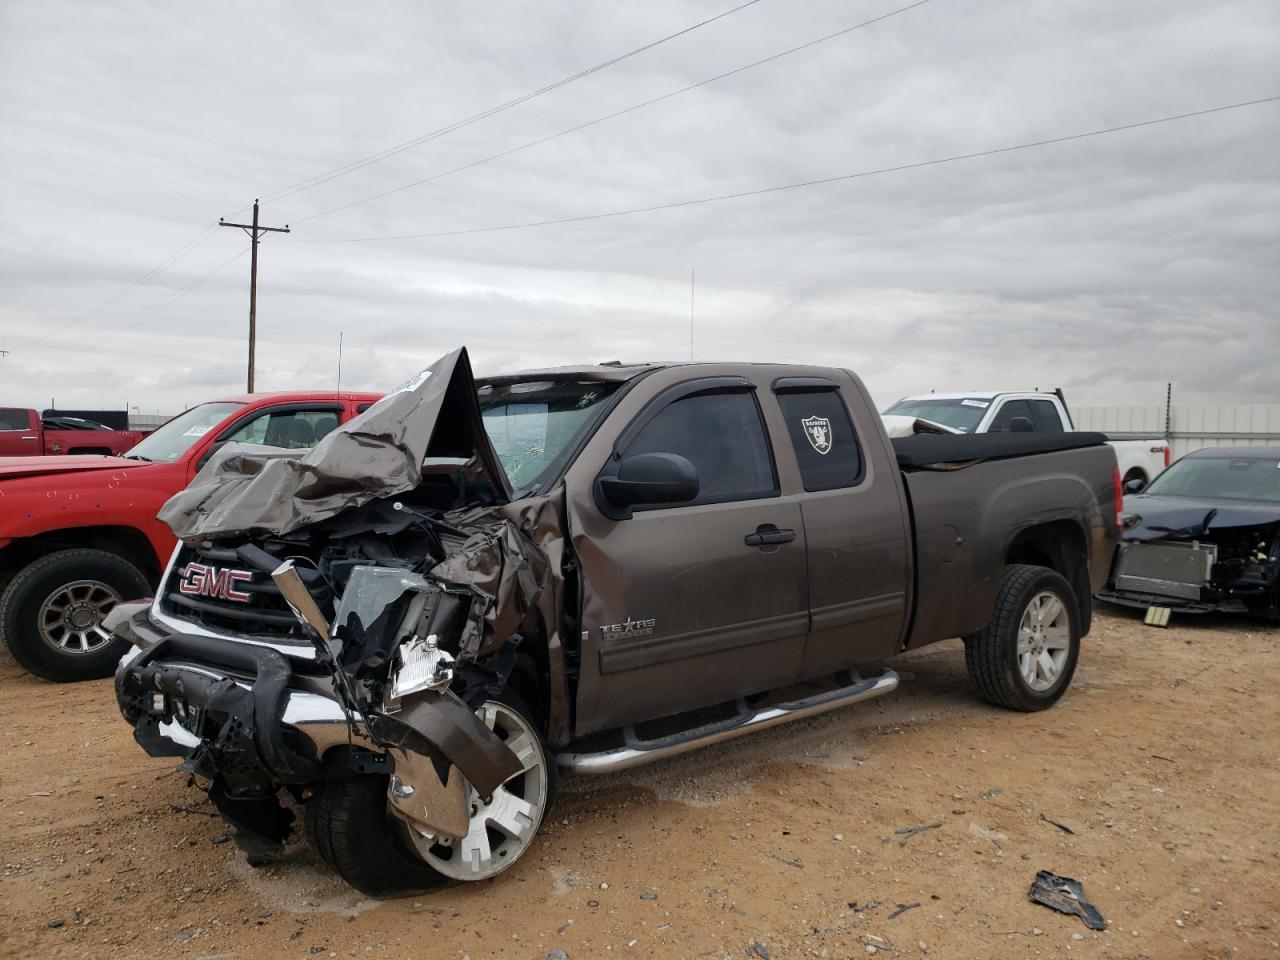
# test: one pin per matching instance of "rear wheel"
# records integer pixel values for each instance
(1025, 657)
(378, 854)
(1135, 474)
(51, 613)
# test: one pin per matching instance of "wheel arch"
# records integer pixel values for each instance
(128, 543)
(1136, 473)
(1060, 545)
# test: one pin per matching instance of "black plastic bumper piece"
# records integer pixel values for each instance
(1141, 601)
(251, 735)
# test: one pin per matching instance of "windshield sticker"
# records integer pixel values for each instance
(980, 404)
(413, 383)
(197, 431)
(818, 432)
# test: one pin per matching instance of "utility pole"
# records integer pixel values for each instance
(339, 361)
(254, 233)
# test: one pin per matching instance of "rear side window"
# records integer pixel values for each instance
(1011, 411)
(722, 435)
(1045, 417)
(14, 420)
(823, 438)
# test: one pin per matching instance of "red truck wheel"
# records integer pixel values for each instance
(51, 613)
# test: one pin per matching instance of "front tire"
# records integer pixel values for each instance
(1025, 657)
(51, 613)
(355, 832)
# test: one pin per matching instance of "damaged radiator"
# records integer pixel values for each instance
(1166, 569)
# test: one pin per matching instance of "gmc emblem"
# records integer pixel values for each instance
(202, 580)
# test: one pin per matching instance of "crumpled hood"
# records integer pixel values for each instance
(1161, 515)
(251, 489)
(47, 466)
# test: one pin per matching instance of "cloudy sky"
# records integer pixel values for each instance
(1108, 265)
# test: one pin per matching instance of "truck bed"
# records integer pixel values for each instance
(961, 488)
(931, 449)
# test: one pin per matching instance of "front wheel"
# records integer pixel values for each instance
(1025, 657)
(378, 854)
(52, 611)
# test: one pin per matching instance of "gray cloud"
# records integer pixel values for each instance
(1109, 265)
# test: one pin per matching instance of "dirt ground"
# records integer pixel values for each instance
(1161, 762)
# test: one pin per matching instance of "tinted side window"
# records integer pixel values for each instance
(1046, 417)
(722, 435)
(823, 438)
(1012, 410)
(14, 420)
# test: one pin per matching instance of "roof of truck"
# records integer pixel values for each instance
(613, 371)
(619, 371)
(302, 395)
(973, 395)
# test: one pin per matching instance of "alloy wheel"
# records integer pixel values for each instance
(1044, 640)
(502, 827)
(70, 619)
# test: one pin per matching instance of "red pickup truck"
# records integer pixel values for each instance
(78, 534)
(25, 433)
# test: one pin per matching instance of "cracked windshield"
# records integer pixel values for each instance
(533, 424)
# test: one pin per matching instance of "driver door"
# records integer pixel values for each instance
(683, 606)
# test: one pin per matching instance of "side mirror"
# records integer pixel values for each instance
(649, 478)
(1136, 485)
(1021, 425)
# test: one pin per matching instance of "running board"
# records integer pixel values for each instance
(636, 751)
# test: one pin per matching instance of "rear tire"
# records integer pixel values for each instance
(1025, 657)
(355, 833)
(51, 611)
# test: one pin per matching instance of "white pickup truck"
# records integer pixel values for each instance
(997, 411)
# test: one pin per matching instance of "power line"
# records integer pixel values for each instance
(146, 313)
(355, 165)
(183, 360)
(805, 183)
(188, 360)
(300, 186)
(615, 114)
(168, 261)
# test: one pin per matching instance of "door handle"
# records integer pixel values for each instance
(31, 438)
(765, 538)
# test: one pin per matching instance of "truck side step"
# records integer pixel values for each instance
(636, 751)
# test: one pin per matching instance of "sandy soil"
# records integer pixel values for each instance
(1161, 760)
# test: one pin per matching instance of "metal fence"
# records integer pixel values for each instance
(146, 422)
(1188, 426)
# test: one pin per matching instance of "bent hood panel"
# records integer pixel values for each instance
(11, 467)
(1161, 517)
(250, 489)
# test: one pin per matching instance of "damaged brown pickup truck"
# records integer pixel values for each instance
(410, 627)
